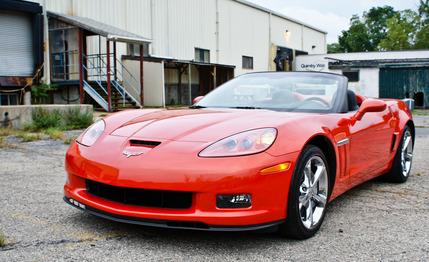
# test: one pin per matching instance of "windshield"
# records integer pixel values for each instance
(277, 91)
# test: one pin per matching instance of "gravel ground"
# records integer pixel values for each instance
(376, 221)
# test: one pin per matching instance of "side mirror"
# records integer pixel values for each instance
(370, 105)
(197, 99)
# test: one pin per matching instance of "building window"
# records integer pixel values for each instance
(8, 99)
(247, 62)
(134, 49)
(353, 75)
(202, 55)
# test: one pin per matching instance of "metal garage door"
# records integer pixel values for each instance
(16, 45)
(405, 83)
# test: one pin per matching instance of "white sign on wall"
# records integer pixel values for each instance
(313, 66)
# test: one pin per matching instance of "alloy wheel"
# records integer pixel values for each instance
(406, 153)
(313, 192)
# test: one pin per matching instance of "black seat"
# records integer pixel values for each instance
(352, 101)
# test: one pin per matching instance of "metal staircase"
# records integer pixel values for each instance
(123, 85)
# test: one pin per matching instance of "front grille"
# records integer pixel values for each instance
(140, 197)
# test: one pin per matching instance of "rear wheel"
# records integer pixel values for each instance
(308, 195)
(401, 166)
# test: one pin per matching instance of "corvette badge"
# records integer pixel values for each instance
(128, 154)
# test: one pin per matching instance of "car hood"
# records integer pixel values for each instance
(201, 125)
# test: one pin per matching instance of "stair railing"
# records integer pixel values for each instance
(127, 80)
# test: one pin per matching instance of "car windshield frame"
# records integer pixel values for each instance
(338, 102)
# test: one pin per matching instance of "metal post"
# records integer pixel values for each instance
(109, 91)
(114, 62)
(141, 76)
(214, 77)
(179, 84)
(81, 95)
(190, 83)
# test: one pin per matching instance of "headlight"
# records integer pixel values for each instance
(246, 143)
(91, 134)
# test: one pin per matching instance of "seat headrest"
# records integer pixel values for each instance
(352, 101)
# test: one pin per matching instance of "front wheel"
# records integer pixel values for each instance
(308, 195)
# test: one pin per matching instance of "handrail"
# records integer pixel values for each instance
(118, 85)
(98, 82)
(95, 95)
(137, 91)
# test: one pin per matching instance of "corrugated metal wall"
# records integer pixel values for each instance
(405, 82)
(16, 52)
(178, 26)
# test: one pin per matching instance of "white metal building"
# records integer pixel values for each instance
(210, 40)
(396, 74)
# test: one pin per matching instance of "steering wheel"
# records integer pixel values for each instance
(317, 99)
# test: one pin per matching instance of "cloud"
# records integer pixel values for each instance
(329, 22)
(332, 16)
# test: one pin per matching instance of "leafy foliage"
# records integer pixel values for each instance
(56, 120)
(422, 36)
(401, 31)
(376, 21)
(385, 29)
(75, 119)
(43, 119)
(40, 93)
(356, 38)
(2, 240)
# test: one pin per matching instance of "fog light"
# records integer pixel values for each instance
(233, 201)
(74, 202)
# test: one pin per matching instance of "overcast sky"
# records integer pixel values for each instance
(332, 16)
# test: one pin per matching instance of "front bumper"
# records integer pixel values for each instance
(170, 224)
(205, 178)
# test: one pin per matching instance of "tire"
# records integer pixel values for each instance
(303, 196)
(401, 166)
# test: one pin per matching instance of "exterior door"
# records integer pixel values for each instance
(16, 38)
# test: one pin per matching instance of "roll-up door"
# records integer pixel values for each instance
(16, 45)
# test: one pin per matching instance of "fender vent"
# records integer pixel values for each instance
(392, 146)
(144, 143)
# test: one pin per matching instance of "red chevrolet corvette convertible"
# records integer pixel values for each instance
(263, 150)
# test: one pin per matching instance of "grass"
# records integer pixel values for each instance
(54, 133)
(50, 124)
(75, 119)
(68, 141)
(421, 112)
(25, 136)
(2, 239)
(29, 137)
(44, 120)
(4, 144)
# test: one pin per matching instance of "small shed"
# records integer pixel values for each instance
(398, 74)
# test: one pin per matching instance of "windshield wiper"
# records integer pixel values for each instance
(197, 107)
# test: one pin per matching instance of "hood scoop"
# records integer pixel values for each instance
(144, 143)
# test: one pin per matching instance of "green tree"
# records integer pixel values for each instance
(334, 48)
(422, 35)
(366, 33)
(375, 21)
(401, 31)
(424, 11)
(356, 38)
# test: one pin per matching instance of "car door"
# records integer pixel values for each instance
(370, 144)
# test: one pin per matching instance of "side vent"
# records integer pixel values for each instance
(394, 137)
(144, 143)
